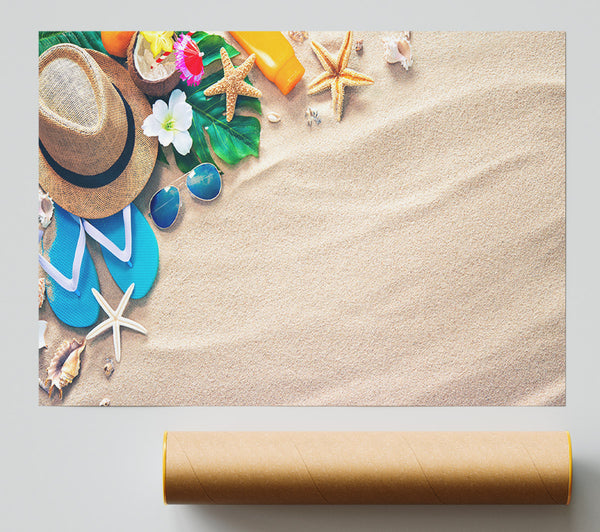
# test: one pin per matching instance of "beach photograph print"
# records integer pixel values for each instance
(301, 218)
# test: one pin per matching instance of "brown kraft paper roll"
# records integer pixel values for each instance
(367, 467)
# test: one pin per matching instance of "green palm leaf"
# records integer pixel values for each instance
(85, 39)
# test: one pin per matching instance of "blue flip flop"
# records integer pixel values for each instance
(129, 248)
(71, 273)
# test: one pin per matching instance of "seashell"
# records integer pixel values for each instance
(312, 116)
(398, 50)
(273, 117)
(42, 334)
(45, 208)
(41, 291)
(64, 366)
(108, 368)
(298, 36)
(358, 46)
(104, 402)
(42, 385)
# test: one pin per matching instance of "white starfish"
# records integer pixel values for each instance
(115, 320)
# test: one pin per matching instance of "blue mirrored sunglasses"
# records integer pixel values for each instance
(203, 182)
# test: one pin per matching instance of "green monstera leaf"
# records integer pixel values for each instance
(85, 39)
(210, 45)
(230, 141)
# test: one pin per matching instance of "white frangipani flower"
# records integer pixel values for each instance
(171, 123)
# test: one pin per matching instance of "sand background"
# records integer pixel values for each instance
(411, 254)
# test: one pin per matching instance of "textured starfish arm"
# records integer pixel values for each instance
(344, 53)
(337, 96)
(102, 302)
(249, 90)
(126, 322)
(320, 83)
(227, 64)
(351, 77)
(325, 58)
(217, 88)
(243, 70)
(105, 325)
(125, 300)
(230, 104)
(117, 343)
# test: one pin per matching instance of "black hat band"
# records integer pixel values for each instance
(109, 175)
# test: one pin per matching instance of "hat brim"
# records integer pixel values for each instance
(114, 197)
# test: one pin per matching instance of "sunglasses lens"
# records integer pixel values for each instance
(164, 207)
(204, 182)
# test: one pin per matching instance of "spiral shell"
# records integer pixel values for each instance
(64, 366)
(398, 50)
(108, 368)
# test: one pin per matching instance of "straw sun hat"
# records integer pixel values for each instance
(94, 157)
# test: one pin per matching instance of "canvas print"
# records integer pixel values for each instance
(301, 218)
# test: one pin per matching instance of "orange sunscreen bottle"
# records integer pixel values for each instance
(274, 56)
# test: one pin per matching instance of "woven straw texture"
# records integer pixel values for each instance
(83, 127)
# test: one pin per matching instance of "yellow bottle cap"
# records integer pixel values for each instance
(289, 75)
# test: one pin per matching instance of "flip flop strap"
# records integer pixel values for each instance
(124, 255)
(70, 285)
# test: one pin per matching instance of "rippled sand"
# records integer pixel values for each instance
(411, 254)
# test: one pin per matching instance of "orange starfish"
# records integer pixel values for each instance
(336, 76)
(232, 83)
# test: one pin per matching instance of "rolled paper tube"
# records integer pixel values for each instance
(367, 467)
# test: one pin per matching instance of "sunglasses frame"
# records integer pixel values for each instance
(179, 192)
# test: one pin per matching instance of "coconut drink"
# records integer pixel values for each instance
(154, 75)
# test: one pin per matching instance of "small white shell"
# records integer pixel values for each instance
(42, 385)
(312, 116)
(45, 208)
(42, 334)
(298, 36)
(273, 117)
(398, 50)
(108, 368)
(105, 402)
